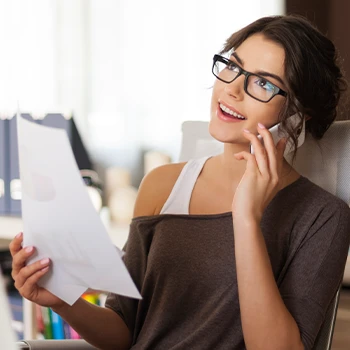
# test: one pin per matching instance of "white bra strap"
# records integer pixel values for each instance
(179, 200)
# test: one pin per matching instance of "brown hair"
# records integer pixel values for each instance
(313, 76)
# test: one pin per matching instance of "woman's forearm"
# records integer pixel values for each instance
(99, 326)
(266, 322)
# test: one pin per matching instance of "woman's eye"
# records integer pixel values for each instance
(265, 84)
(232, 67)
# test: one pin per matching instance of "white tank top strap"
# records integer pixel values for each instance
(179, 200)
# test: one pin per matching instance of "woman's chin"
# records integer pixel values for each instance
(222, 134)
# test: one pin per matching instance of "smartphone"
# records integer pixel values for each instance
(277, 133)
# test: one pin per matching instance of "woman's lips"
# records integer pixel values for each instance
(224, 117)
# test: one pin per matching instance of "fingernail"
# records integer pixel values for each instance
(29, 249)
(44, 261)
(19, 235)
(45, 269)
(246, 131)
(261, 126)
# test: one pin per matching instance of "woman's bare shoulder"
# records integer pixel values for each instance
(155, 189)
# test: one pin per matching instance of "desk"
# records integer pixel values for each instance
(10, 226)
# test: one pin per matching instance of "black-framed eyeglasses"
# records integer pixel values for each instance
(255, 85)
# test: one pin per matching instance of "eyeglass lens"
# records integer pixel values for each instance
(257, 86)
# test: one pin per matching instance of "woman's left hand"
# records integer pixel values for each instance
(261, 180)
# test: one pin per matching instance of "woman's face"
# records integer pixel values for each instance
(255, 55)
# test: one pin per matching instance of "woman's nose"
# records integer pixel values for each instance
(235, 89)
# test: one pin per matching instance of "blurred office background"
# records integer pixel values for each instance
(131, 71)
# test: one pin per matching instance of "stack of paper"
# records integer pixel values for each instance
(60, 220)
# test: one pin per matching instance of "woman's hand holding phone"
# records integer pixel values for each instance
(261, 180)
(277, 133)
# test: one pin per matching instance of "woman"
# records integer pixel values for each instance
(239, 250)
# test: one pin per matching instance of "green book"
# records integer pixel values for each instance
(45, 311)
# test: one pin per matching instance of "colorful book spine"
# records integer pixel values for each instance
(67, 330)
(39, 319)
(46, 316)
(74, 334)
(57, 325)
(16, 305)
(52, 326)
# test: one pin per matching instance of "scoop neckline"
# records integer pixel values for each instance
(216, 215)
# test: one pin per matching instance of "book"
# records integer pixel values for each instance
(16, 307)
(39, 319)
(57, 325)
(67, 330)
(46, 316)
(73, 333)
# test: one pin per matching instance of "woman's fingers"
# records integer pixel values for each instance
(250, 158)
(29, 288)
(16, 244)
(260, 153)
(274, 154)
(32, 273)
(19, 260)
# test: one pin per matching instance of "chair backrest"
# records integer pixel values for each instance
(325, 162)
(325, 335)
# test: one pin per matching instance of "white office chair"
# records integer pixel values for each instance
(326, 163)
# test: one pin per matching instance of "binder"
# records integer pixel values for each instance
(57, 120)
(15, 193)
(16, 307)
(4, 167)
(12, 185)
(79, 150)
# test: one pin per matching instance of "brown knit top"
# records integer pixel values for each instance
(184, 267)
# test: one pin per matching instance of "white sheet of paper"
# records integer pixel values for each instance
(60, 220)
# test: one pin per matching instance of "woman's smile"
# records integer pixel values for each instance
(229, 114)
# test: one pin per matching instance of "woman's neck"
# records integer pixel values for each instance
(230, 170)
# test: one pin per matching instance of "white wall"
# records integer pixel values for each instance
(130, 70)
(151, 66)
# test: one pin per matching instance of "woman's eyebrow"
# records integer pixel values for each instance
(239, 60)
(262, 73)
(267, 74)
